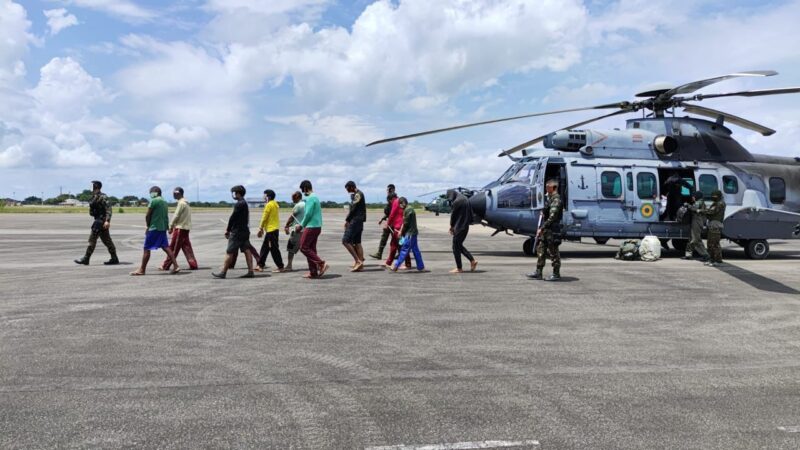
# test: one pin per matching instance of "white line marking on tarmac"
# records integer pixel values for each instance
(459, 445)
(794, 429)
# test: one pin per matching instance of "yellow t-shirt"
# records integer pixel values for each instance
(269, 219)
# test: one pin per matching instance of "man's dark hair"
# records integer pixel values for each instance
(402, 201)
(391, 186)
(97, 184)
(239, 189)
(178, 190)
(298, 195)
(350, 185)
(156, 189)
(305, 185)
(698, 195)
(270, 194)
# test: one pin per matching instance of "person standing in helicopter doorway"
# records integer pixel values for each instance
(549, 234)
(100, 210)
(715, 214)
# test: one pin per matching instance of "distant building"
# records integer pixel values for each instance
(254, 202)
(11, 202)
(73, 202)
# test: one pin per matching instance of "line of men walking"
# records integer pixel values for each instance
(303, 228)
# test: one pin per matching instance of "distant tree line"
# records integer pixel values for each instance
(132, 200)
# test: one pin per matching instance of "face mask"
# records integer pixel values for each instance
(233, 196)
(153, 194)
(306, 193)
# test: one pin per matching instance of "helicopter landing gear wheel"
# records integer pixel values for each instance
(527, 247)
(680, 245)
(601, 240)
(756, 249)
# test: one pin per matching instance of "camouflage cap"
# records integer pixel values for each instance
(716, 195)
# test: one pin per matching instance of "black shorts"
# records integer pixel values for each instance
(239, 241)
(352, 234)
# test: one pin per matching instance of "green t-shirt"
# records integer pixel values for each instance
(159, 220)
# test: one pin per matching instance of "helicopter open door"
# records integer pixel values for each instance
(537, 184)
(641, 194)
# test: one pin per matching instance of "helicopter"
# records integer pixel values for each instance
(440, 204)
(613, 183)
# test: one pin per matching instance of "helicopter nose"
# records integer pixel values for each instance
(478, 204)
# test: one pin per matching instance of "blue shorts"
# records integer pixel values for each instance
(155, 240)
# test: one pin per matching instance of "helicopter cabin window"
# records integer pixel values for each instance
(611, 184)
(708, 184)
(629, 181)
(646, 185)
(730, 184)
(777, 190)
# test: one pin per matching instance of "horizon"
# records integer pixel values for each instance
(266, 94)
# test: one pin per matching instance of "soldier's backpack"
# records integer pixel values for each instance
(629, 250)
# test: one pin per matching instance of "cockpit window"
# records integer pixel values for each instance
(519, 172)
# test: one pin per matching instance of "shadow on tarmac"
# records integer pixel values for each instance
(757, 281)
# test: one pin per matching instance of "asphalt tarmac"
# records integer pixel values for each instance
(669, 354)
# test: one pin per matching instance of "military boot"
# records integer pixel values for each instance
(113, 261)
(535, 275)
(556, 276)
(83, 261)
(377, 255)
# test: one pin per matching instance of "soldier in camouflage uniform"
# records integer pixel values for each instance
(715, 214)
(101, 211)
(549, 234)
(697, 207)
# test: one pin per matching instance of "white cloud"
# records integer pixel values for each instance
(422, 48)
(186, 85)
(423, 102)
(149, 149)
(14, 40)
(585, 94)
(66, 90)
(82, 156)
(183, 135)
(248, 21)
(407, 56)
(58, 19)
(337, 130)
(123, 9)
(11, 157)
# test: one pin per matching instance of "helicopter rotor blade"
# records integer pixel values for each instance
(713, 113)
(695, 85)
(568, 127)
(505, 119)
(431, 193)
(756, 93)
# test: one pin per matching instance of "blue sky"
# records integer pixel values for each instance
(266, 93)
